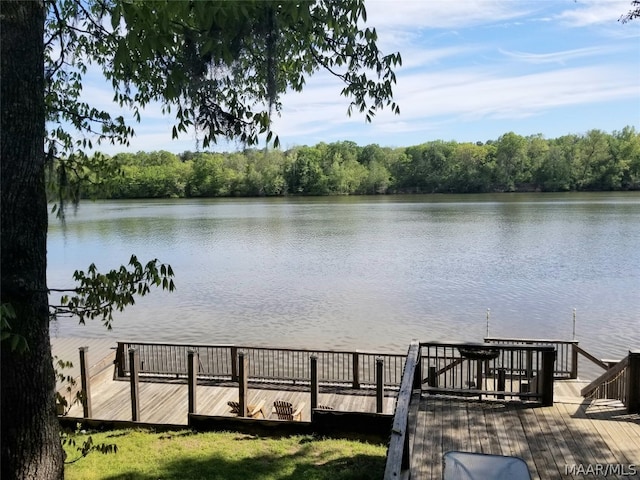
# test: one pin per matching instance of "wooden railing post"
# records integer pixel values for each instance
(574, 361)
(192, 372)
(633, 382)
(356, 370)
(379, 385)
(120, 359)
(502, 376)
(134, 366)
(433, 377)
(234, 364)
(84, 382)
(548, 360)
(417, 377)
(243, 371)
(529, 364)
(314, 381)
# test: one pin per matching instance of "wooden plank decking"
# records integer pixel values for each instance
(166, 403)
(101, 353)
(552, 440)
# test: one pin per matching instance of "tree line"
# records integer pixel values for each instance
(593, 161)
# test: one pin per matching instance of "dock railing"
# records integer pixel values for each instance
(567, 354)
(620, 382)
(492, 370)
(275, 365)
(566, 361)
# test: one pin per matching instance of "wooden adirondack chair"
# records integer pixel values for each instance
(284, 410)
(253, 410)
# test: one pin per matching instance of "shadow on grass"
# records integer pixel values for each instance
(300, 465)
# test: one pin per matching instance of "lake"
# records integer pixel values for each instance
(367, 273)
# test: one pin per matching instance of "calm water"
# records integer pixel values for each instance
(368, 272)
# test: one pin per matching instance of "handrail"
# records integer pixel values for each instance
(588, 356)
(528, 340)
(493, 370)
(398, 453)
(219, 362)
(605, 377)
(566, 361)
(240, 347)
(503, 346)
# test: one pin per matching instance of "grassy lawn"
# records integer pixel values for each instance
(185, 455)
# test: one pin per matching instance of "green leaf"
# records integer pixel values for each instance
(115, 17)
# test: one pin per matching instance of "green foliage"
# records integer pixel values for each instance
(69, 382)
(99, 294)
(594, 161)
(82, 445)
(219, 66)
(223, 65)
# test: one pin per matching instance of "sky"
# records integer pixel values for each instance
(472, 71)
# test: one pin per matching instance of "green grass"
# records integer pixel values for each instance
(185, 455)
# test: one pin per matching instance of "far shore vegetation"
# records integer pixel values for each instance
(594, 161)
(187, 455)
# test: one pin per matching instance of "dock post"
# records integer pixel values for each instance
(314, 381)
(356, 370)
(134, 366)
(479, 378)
(85, 382)
(433, 377)
(417, 376)
(243, 372)
(574, 360)
(120, 359)
(379, 385)
(192, 369)
(529, 365)
(548, 360)
(234, 364)
(501, 382)
(633, 382)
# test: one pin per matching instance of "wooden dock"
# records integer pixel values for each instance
(573, 438)
(166, 401)
(555, 442)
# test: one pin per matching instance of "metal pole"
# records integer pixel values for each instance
(488, 315)
(574, 324)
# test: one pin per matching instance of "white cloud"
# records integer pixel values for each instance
(418, 14)
(560, 57)
(594, 12)
(466, 94)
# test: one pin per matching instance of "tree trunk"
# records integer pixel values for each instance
(30, 431)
